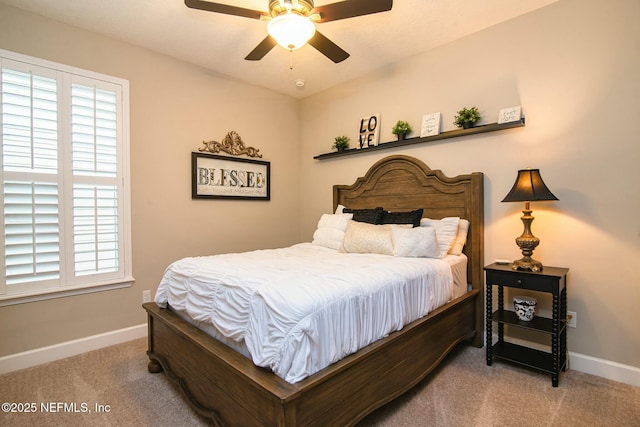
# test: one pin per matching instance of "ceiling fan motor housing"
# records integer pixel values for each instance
(302, 7)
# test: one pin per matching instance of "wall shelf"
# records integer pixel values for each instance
(492, 127)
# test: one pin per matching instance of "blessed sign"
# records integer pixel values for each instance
(212, 177)
(222, 177)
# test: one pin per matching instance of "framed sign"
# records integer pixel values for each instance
(369, 131)
(508, 115)
(222, 177)
(430, 125)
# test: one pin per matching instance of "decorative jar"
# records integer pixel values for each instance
(524, 307)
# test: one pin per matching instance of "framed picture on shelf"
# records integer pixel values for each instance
(222, 177)
(508, 115)
(369, 131)
(430, 125)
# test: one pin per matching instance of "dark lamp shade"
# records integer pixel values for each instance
(529, 187)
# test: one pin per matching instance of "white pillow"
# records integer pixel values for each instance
(461, 237)
(446, 231)
(415, 242)
(330, 230)
(365, 238)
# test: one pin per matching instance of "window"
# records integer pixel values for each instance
(65, 180)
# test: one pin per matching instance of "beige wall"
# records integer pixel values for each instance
(574, 67)
(174, 106)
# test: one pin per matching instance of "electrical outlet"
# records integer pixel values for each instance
(146, 296)
(572, 319)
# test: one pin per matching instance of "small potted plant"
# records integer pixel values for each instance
(467, 117)
(401, 129)
(341, 143)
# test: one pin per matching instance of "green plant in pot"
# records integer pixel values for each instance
(401, 129)
(467, 117)
(341, 143)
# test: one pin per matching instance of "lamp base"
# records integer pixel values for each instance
(527, 242)
(527, 263)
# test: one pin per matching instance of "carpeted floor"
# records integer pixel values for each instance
(111, 387)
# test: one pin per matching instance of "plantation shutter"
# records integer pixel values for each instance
(64, 175)
(95, 184)
(30, 173)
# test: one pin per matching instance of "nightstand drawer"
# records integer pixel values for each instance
(513, 280)
(531, 281)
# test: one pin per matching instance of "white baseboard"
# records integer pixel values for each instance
(591, 365)
(580, 362)
(38, 356)
(605, 368)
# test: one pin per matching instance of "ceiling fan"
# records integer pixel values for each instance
(291, 23)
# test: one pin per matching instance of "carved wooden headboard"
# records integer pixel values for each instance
(400, 183)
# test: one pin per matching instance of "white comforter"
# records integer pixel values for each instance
(301, 308)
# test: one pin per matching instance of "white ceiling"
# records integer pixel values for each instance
(220, 42)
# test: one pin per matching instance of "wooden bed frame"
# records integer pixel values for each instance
(228, 388)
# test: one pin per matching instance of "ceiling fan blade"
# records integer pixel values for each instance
(262, 49)
(224, 8)
(328, 48)
(351, 8)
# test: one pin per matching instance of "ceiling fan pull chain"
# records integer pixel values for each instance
(291, 59)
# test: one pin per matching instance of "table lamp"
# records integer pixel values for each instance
(529, 187)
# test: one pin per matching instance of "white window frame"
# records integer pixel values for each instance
(66, 286)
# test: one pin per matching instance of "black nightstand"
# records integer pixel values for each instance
(551, 280)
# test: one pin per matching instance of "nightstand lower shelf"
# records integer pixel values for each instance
(526, 356)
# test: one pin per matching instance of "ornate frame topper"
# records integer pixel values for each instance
(231, 144)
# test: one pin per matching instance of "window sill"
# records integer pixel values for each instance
(6, 300)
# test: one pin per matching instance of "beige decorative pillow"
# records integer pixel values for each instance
(365, 238)
(415, 242)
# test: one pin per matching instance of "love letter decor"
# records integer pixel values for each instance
(369, 131)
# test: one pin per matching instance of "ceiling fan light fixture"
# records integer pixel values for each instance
(291, 23)
(291, 30)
